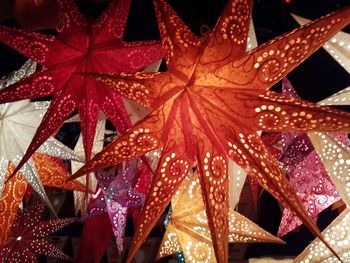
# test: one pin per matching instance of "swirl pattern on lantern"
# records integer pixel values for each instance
(210, 104)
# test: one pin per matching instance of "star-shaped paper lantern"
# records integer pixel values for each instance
(80, 46)
(314, 188)
(52, 173)
(19, 121)
(109, 210)
(26, 239)
(306, 173)
(335, 156)
(209, 105)
(188, 229)
(335, 152)
(118, 196)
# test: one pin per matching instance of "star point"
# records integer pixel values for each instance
(80, 46)
(208, 108)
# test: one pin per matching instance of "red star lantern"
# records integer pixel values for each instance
(209, 106)
(79, 46)
(26, 237)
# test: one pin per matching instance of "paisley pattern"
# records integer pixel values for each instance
(193, 119)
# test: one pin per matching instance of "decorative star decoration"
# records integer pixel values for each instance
(334, 151)
(335, 155)
(208, 107)
(117, 196)
(26, 239)
(188, 229)
(80, 46)
(306, 173)
(52, 173)
(314, 188)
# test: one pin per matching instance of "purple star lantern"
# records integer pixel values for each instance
(115, 196)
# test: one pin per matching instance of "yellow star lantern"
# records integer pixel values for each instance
(188, 229)
(208, 107)
(338, 235)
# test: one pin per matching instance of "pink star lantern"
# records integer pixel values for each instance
(308, 177)
(117, 195)
(80, 46)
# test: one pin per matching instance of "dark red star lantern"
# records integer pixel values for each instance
(80, 46)
(209, 106)
(26, 238)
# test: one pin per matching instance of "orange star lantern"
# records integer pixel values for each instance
(208, 107)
